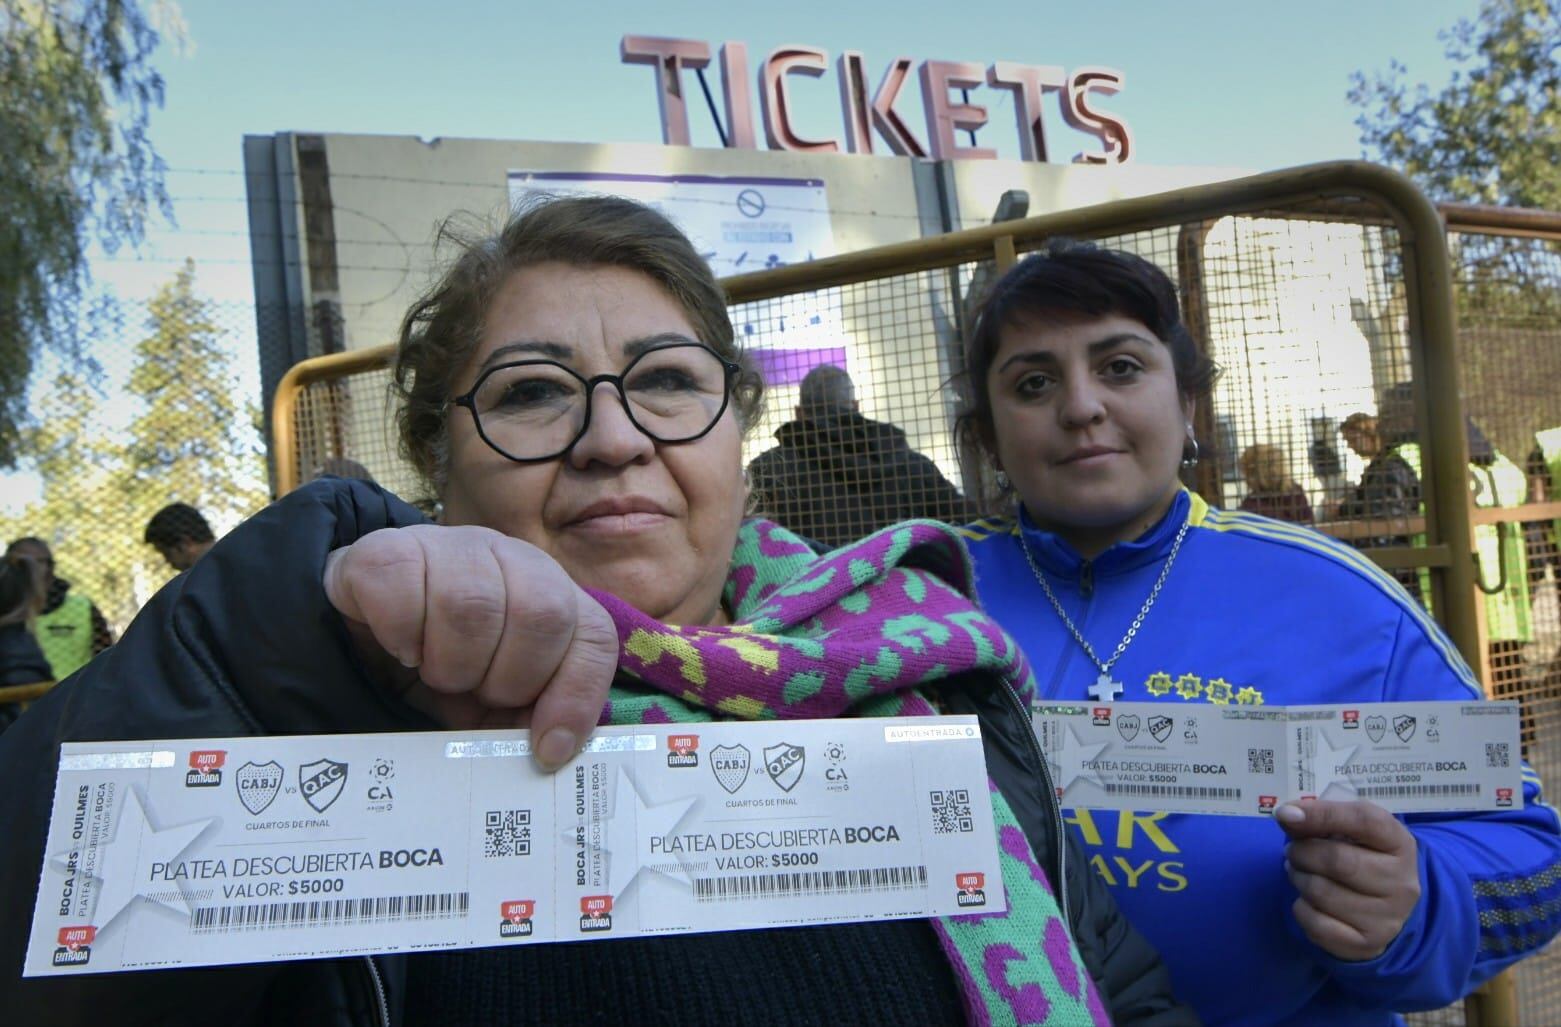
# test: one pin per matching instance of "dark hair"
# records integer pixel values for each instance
(441, 330)
(825, 390)
(1080, 278)
(20, 588)
(29, 542)
(176, 523)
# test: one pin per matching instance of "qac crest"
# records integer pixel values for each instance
(784, 763)
(322, 782)
(257, 785)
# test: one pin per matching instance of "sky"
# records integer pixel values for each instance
(1258, 85)
(1254, 84)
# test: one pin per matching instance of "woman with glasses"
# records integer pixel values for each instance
(572, 394)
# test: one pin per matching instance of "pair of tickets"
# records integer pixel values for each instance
(1410, 757)
(238, 850)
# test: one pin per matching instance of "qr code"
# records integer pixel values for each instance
(1260, 761)
(951, 811)
(508, 833)
(1498, 754)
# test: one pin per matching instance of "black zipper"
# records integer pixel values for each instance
(379, 992)
(1087, 578)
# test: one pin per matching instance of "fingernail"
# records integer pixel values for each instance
(1290, 814)
(556, 748)
(409, 659)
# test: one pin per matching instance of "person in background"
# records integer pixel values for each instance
(1270, 489)
(341, 467)
(180, 534)
(837, 476)
(1121, 584)
(70, 628)
(21, 659)
(1389, 488)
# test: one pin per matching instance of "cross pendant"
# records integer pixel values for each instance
(1104, 689)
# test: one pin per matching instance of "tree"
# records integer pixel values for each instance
(194, 438)
(1492, 134)
(76, 92)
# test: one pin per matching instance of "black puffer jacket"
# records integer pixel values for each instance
(246, 643)
(840, 477)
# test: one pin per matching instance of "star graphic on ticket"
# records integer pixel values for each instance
(136, 844)
(1328, 764)
(624, 833)
(623, 829)
(1073, 760)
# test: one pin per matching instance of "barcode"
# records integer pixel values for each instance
(1498, 754)
(1174, 791)
(328, 912)
(1410, 791)
(811, 882)
(1260, 761)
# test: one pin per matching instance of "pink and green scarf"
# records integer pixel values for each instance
(856, 633)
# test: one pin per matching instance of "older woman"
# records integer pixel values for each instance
(573, 395)
(1122, 585)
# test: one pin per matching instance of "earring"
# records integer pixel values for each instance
(1190, 460)
(1003, 484)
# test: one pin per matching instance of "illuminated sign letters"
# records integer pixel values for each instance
(863, 114)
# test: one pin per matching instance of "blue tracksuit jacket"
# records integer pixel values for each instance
(1259, 611)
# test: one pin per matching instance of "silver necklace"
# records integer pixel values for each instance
(1105, 689)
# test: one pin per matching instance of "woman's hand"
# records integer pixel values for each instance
(1357, 869)
(478, 629)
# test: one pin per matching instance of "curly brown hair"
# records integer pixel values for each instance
(442, 329)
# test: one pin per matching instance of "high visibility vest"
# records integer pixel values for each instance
(65, 635)
(1550, 448)
(1503, 484)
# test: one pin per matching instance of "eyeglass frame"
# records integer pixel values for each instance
(468, 399)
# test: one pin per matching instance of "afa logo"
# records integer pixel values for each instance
(205, 768)
(971, 889)
(595, 913)
(321, 783)
(515, 918)
(75, 946)
(683, 750)
(258, 784)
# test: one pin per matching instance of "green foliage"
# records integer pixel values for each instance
(192, 439)
(1492, 134)
(76, 92)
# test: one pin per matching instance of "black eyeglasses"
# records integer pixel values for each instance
(534, 410)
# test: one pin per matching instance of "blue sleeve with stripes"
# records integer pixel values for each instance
(1490, 882)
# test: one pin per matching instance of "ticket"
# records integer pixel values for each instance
(237, 850)
(1411, 757)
